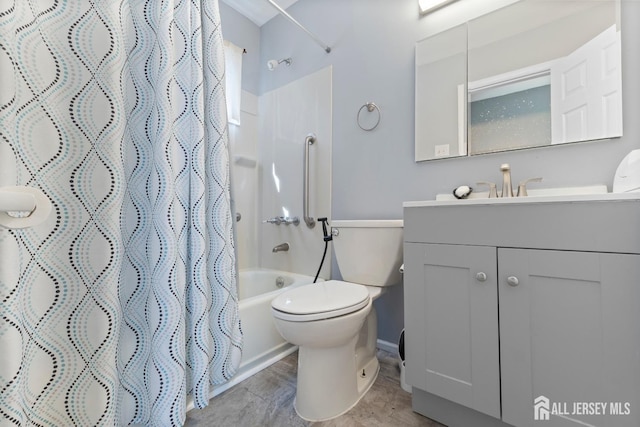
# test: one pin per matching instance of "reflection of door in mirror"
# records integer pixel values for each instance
(441, 78)
(586, 101)
(544, 73)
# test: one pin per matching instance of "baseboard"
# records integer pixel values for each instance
(387, 346)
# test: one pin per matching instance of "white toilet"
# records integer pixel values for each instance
(334, 322)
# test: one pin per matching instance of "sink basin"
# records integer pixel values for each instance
(540, 195)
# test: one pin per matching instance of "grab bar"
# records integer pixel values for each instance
(308, 141)
(22, 199)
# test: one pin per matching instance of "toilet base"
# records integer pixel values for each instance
(331, 381)
(338, 391)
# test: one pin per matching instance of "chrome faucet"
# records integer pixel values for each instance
(283, 220)
(275, 220)
(282, 247)
(507, 190)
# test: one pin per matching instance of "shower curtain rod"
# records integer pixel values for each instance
(292, 19)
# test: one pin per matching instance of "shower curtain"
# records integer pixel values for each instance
(124, 302)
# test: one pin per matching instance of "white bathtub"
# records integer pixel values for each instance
(263, 345)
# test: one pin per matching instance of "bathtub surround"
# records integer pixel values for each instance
(124, 302)
(284, 116)
(274, 126)
(287, 115)
(245, 178)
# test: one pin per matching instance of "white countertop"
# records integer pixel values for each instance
(572, 198)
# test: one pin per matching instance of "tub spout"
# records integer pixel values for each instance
(282, 247)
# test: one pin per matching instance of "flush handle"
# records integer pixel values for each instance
(513, 281)
(481, 277)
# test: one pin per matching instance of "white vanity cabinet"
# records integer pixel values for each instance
(514, 303)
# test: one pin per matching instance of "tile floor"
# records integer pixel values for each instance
(266, 400)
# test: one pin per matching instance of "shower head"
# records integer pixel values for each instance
(273, 63)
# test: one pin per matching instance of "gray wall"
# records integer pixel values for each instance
(243, 33)
(373, 60)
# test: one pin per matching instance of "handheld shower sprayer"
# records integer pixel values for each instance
(272, 64)
(327, 238)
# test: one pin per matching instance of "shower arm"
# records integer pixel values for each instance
(292, 19)
(308, 141)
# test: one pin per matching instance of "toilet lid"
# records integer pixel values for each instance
(321, 300)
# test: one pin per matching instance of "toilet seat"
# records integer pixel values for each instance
(324, 300)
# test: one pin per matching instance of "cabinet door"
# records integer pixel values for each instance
(569, 335)
(451, 323)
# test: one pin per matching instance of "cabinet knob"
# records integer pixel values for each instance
(513, 281)
(481, 277)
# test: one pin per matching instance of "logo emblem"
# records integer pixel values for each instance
(541, 408)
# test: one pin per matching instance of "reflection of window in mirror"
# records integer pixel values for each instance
(518, 117)
(511, 110)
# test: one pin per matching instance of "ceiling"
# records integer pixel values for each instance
(258, 11)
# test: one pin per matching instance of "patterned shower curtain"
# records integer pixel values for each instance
(124, 302)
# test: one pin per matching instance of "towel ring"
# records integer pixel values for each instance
(370, 106)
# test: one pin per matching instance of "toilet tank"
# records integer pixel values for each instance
(369, 252)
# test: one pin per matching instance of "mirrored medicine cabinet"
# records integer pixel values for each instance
(534, 73)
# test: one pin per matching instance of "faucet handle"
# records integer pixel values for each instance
(493, 192)
(275, 220)
(295, 221)
(522, 188)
